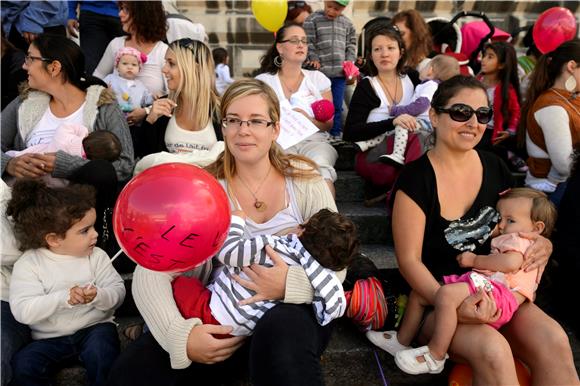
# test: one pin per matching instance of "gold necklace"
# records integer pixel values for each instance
(393, 100)
(259, 205)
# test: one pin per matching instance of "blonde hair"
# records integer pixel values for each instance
(542, 209)
(444, 67)
(196, 94)
(288, 165)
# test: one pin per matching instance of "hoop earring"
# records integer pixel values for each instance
(278, 62)
(570, 84)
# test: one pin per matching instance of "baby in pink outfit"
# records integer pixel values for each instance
(75, 140)
(499, 274)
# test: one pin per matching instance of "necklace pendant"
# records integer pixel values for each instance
(260, 205)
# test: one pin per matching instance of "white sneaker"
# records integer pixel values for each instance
(407, 361)
(544, 186)
(392, 159)
(387, 340)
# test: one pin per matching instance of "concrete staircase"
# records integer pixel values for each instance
(350, 360)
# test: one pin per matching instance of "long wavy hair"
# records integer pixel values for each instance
(196, 94)
(147, 19)
(286, 164)
(421, 42)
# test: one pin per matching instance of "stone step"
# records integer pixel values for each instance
(383, 255)
(349, 187)
(374, 224)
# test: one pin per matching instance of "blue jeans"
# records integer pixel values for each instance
(557, 195)
(97, 347)
(338, 85)
(15, 335)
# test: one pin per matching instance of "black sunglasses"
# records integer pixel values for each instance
(296, 4)
(462, 113)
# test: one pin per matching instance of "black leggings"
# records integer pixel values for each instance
(284, 350)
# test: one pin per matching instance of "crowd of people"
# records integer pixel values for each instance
(439, 148)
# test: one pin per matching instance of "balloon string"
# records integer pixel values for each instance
(92, 283)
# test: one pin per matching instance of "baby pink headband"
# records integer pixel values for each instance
(141, 57)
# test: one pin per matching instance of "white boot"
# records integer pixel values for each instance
(398, 155)
(368, 144)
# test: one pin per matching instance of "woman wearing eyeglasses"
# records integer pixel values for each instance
(184, 126)
(442, 207)
(145, 24)
(277, 191)
(369, 111)
(281, 69)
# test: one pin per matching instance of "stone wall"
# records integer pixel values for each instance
(230, 24)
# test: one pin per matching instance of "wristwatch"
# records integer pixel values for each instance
(147, 110)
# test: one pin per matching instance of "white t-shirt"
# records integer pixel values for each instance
(312, 86)
(222, 78)
(150, 73)
(179, 140)
(382, 112)
(43, 131)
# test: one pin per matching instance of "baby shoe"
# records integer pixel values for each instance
(407, 361)
(390, 345)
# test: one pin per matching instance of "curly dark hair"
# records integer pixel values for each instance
(331, 239)
(147, 18)
(38, 210)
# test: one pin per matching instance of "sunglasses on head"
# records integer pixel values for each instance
(460, 112)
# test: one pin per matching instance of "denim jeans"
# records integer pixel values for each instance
(15, 335)
(338, 86)
(97, 347)
(96, 31)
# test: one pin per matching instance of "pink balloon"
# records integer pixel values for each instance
(554, 27)
(172, 217)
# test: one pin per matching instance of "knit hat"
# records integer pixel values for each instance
(367, 306)
(141, 57)
(344, 3)
(323, 110)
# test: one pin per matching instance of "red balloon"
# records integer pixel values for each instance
(461, 375)
(554, 27)
(172, 217)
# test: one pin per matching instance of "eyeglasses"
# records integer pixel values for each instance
(295, 41)
(460, 112)
(29, 59)
(236, 123)
(296, 4)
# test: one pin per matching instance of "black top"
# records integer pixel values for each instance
(154, 134)
(444, 239)
(566, 240)
(12, 74)
(363, 101)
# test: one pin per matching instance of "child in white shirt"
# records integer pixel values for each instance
(222, 70)
(131, 93)
(62, 286)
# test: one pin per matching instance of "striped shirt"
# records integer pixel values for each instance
(330, 42)
(329, 301)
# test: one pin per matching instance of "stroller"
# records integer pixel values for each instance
(467, 42)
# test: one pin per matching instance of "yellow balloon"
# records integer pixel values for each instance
(270, 13)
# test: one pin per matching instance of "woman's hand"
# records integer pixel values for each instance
(161, 107)
(537, 254)
(267, 283)
(49, 161)
(203, 347)
(136, 116)
(406, 121)
(26, 165)
(478, 308)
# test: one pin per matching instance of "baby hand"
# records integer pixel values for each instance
(76, 296)
(466, 259)
(89, 293)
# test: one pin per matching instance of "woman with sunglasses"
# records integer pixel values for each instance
(184, 126)
(278, 192)
(58, 93)
(443, 205)
(368, 113)
(145, 24)
(281, 69)
(550, 120)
